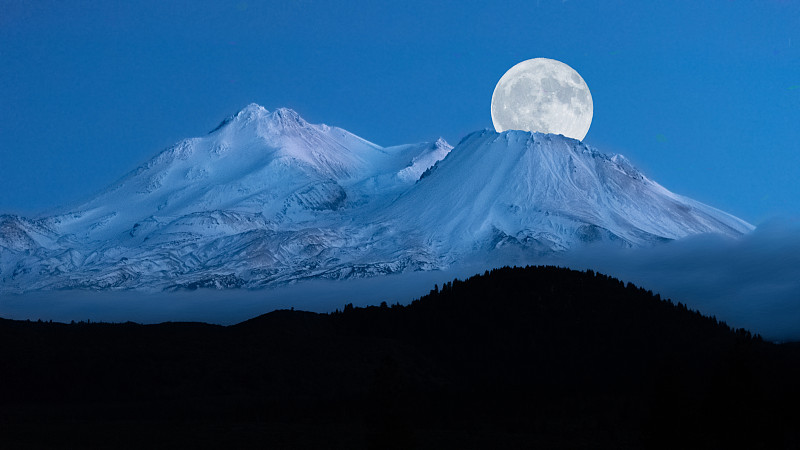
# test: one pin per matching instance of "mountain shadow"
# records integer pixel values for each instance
(535, 357)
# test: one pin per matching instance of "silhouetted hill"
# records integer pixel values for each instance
(515, 358)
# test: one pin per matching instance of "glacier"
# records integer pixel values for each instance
(267, 199)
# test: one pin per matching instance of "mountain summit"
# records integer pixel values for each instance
(267, 198)
(549, 192)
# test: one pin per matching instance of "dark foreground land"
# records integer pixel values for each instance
(539, 357)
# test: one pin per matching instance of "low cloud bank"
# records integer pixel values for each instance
(752, 282)
(223, 307)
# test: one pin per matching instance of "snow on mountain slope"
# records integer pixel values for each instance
(18, 234)
(254, 161)
(549, 193)
(268, 198)
(265, 196)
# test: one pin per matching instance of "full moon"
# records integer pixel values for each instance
(545, 96)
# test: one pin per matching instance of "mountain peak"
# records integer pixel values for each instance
(287, 119)
(246, 114)
(252, 109)
(280, 120)
(251, 113)
(286, 113)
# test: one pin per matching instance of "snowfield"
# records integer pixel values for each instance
(267, 198)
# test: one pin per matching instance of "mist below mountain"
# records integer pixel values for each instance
(752, 282)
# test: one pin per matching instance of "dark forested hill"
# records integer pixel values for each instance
(537, 357)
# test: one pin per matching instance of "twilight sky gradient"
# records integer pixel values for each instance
(704, 97)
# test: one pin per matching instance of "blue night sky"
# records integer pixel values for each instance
(704, 97)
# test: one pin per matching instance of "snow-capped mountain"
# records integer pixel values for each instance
(549, 192)
(268, 198)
